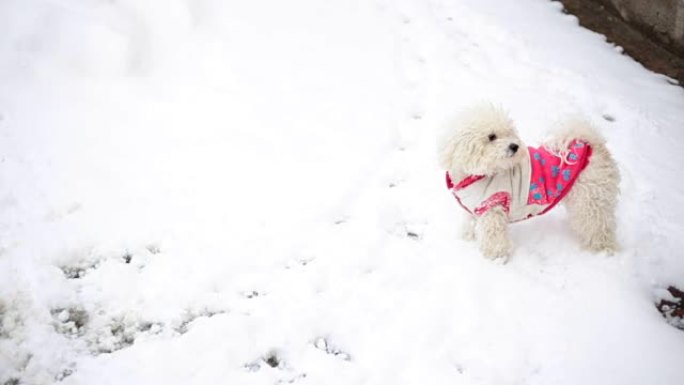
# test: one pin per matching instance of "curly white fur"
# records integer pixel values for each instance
(467, 149)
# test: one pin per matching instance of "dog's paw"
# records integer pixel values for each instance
(602, 243)
(496, 251)
(606, 248)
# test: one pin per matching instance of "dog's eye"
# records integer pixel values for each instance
(492, 137)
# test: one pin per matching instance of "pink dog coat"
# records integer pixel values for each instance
(529, 189)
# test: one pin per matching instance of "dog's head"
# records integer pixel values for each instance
(482, 141)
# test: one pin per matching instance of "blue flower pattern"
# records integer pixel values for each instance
(561, 174)
(566, 175)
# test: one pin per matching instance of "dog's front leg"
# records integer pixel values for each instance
(492, 233)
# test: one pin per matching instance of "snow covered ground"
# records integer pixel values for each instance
(246, 192)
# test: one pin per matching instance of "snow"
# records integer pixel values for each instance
(197, 192)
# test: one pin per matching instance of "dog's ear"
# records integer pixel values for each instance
(454, 151)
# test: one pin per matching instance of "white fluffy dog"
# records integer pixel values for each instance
(498, 180)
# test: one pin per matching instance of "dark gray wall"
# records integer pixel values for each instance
(663, 20)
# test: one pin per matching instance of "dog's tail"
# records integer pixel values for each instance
(575, 129)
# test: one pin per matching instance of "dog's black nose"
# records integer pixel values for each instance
(513, 147)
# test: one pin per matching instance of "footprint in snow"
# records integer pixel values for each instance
(608, 117)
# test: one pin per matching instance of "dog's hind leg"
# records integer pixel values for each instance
(492, 233)
(592, 219)
(592, 201)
